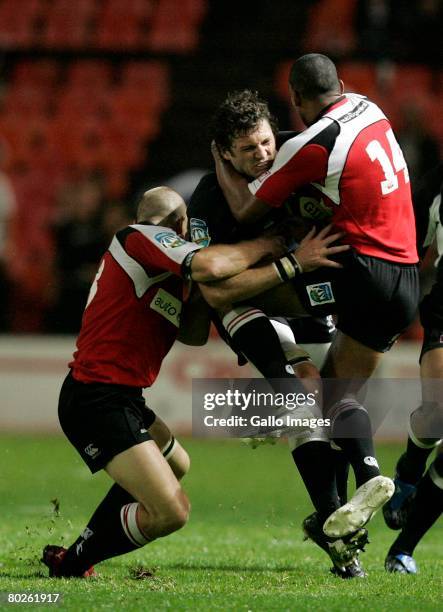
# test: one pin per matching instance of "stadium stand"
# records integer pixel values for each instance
(124, 91)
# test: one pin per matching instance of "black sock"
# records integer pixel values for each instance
(412, 464)
(252, 333)
(341, 475)
(314, 461)
(104, 536)
(425, 509)
(351, 431)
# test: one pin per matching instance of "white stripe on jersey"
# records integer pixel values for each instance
(290, 148)
(134, 270)
(350, 128)
(167, 241)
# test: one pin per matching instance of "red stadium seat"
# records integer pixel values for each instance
(66, 24)
(41, 73)
(27, 100)
(90, 73)
(331, 27)
(175, 25)
(281, 80)
(358, 77)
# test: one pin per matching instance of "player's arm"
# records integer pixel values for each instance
(222, 261)
(313, 252)
(300, 161)
(195, 319)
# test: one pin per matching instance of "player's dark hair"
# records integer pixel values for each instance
(313, 75)
(238, 115)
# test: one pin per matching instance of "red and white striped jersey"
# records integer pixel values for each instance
(132, 315)
(351, 159)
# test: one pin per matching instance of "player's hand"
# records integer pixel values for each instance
(224, 169)
(314, 251)
(216, 153)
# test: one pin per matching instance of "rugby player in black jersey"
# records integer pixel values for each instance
(418, 499)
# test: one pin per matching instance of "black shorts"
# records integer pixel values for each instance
(431, 317)
(375, 300)
(102, 420)
(313, 330)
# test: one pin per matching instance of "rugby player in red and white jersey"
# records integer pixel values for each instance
(131, 320)
(351, 165)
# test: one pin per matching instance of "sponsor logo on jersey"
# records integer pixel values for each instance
(263, 177)
(358, 110)
(314, 209)
(320, 293)
(167, 305)
(169, 240)
(199, 232)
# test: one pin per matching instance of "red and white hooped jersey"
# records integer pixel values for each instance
(132, 315)
(351, 158)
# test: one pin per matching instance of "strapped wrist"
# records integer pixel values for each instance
(287, 267)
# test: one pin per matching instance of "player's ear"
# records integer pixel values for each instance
(226, 155)
(342, 86)
(295, 97)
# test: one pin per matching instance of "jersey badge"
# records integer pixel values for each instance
(167, 306)
(314, 209)
(199, 232)
(320, 293)
(169, 240)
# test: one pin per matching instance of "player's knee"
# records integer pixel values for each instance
(177, 514)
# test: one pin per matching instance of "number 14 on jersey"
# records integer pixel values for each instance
(377, 152)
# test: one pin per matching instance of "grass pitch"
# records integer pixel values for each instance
(242, 549)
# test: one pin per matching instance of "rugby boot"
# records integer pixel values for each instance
(53, 556)
(359, 510)
(400, 564)
(343, 552)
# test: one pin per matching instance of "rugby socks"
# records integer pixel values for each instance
(253, 334)
(412, 464)
(320, 483)
(426, 507)
(341, 465)
(351, 432)
(112, 530)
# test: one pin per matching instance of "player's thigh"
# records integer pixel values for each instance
(170, 447)
(431, 365)
(146, 475)
(281, 301)
(348, 358)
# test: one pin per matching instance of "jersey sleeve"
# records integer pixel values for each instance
(159, 249)
(300, 161)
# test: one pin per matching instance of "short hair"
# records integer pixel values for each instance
(239, 114)
(313, 75)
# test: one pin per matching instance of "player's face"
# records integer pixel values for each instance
(253, 153)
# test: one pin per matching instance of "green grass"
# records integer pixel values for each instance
(242, 549)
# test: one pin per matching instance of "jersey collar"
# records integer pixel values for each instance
(338, 102)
